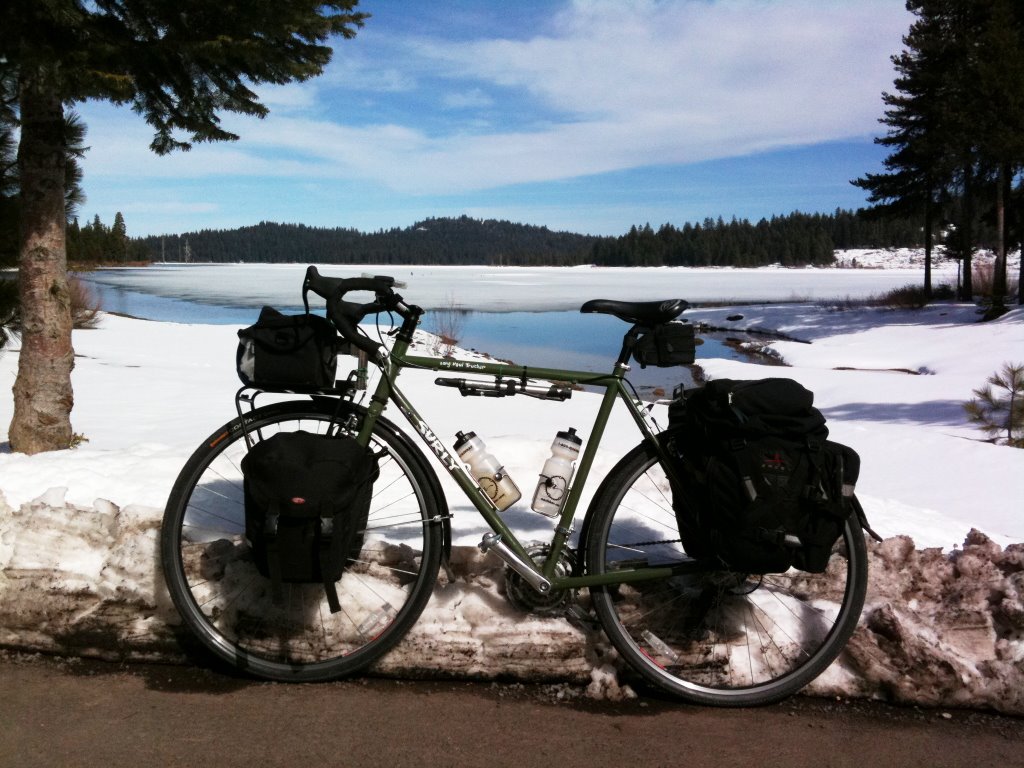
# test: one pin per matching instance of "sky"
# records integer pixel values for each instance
(586, 116)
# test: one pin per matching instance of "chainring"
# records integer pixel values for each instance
(525, 598)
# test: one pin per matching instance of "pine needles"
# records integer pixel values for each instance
(998, 407)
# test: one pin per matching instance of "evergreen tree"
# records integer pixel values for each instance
(178, 64)
(956, 123)
(919, 168)
(998, 407)
(118, 239)
(998, 70)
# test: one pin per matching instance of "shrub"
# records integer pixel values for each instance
(447, 323)
(983, 277)
(85, 307)
(998, 407)
(85, 304)
(907, 297)
(8, 309)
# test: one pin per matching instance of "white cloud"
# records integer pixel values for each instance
(474, 97)
(609, 86)
(703, 64)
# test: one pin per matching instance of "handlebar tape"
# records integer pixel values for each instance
(346, 314)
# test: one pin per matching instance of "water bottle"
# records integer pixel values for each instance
(487, 471)
(556, 474)
(375, 623)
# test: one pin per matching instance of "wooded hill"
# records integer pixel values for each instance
(795, 239)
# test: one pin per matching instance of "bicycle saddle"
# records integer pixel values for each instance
(642, 312)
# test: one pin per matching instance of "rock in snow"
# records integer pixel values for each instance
(939, 629)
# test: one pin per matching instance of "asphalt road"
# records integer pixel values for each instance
(78, 713)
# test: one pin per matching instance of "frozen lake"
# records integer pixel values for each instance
(527, 315)
(498, 289)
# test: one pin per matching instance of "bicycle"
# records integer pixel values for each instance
(704, 634)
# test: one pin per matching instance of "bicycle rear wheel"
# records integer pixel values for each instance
(715, 638)
(231, 608)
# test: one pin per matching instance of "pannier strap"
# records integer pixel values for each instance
(642, 312)
(329, 589)
(274, 567)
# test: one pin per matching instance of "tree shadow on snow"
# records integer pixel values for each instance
(936, 413)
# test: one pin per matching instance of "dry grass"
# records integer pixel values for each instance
(447, 324)
(85, 304)
(983, 278)
(85, 307)
(907, 297)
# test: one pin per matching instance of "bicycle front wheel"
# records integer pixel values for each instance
(292, 635)
(714, 638)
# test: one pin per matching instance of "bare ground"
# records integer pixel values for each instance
(70, 713)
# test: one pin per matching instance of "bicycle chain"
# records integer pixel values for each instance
(650, 543)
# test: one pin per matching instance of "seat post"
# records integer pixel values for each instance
(628, 342)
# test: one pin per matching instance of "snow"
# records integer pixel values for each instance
(891, 382)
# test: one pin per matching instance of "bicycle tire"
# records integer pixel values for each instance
(714, 638)
(231, 609)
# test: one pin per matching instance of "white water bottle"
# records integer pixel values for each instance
(556, 474)
(487, 471)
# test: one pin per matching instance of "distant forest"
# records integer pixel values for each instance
(793, 240)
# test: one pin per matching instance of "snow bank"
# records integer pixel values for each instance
(939, 628)
(79, 572)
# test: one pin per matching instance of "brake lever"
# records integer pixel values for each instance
(390, 281)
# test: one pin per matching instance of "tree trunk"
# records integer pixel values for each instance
(999, 273)
(966, 233)
(928, 215)
(1020, 245)
(42, 391)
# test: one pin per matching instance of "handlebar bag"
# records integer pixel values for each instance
(307, 499)
(666, 345)
(760, 488)
(288, 352)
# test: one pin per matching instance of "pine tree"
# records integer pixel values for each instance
(998, 407)
(919, 167)
(956, 122)
(998, 70)
(179, 64)
(118, 239)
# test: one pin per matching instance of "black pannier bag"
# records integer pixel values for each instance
(288, 352)
(307, 498)
(664, 346)
(760, 487)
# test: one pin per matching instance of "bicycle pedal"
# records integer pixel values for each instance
(581, 618)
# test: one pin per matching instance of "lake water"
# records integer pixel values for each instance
(555, 338)
(524, 314)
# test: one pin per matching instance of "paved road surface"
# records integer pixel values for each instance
(68, 714)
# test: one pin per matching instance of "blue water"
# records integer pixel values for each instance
(567, 340)
(149, 306)
(572, 340)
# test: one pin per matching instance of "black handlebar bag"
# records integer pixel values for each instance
(307, 499)
(289, 352)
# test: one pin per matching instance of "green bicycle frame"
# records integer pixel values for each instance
(614, 389)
